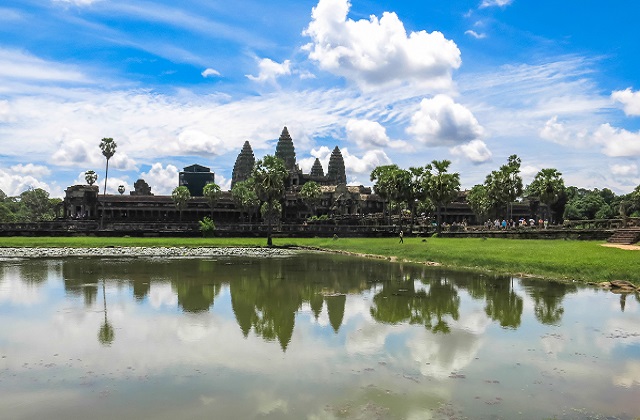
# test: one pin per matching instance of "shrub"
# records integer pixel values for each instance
(207, 227)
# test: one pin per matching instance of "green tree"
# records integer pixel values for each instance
(245, 197)
(90, 176)
(181, 197)
(479, 202)
(504, 185)
(440, 186)
(269, 175)
(548, 186)
(384, 183)
(36, 204)
(108, 147)
(311, 193)
(211, 192)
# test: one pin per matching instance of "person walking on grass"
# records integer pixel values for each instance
(401, 237)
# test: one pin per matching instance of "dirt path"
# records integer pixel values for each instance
(623, 246)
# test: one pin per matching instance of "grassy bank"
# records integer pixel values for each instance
(570, 260)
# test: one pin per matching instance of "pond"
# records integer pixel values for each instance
(308, 336)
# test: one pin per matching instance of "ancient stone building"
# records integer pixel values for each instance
(316, 169)
(336, 172)
(140, 187)
(244, 165)
(195, 177)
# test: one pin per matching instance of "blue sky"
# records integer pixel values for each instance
(176, 83)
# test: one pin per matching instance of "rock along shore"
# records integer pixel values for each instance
(141, 252)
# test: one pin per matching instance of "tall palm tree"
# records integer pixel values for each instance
(547, 185)
(108, 147)
(269, 175)
(440, 186)
(181, 197)
(211, 192)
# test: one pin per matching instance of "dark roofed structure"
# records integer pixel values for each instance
(316, 169)
(285, 150)
(336, 171)
(195, 177)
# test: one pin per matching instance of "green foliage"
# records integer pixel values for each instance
(37, 205)
(91, 177)
(108, 147)
(207, 227)
(269, 175)
(504, 185)
(548, 186)
(479, 201)
(245, 197)
(211, 192)
(311, 193)
(181, 197)
(440, 186)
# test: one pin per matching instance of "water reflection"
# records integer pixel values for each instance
(315, 336)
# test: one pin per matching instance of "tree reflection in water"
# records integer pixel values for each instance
(267, 294)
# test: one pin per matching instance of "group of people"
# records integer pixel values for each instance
(511, 224)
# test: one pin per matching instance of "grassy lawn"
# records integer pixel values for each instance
(570, 260)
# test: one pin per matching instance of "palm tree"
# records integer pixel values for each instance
(181, 197)
(440, 186)
(90, 176)
(108, 147)
(311, 194)
(244, 195)
(547, 185)
(121, 189)
(269, 175)
(211, 192)
(106, 334)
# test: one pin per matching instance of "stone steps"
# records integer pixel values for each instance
(625, 236)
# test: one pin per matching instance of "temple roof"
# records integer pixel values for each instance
(316, 169)
(336, 171)
(285, 150)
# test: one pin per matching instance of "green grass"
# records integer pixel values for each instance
(558, 259)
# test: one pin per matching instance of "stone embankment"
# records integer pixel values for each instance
(168, 252)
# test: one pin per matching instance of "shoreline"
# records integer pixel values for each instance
(133, 252)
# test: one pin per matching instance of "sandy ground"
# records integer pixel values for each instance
(622, 246)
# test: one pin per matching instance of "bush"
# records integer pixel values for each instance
(207, 227)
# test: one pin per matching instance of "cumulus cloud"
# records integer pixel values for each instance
(378, 52)
(442, 122)
(73, 152)
(37, 171)
(629, 99)
(193, 141)
(615, 142)
(558, 132)
(367, 134)
(162, 180)
(624, 170)
(271, 70)
(12, 183)
(495, 3)
(475, 34)
(476, 151)
(209, 72)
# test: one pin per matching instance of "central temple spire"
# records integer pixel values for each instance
(285, 150)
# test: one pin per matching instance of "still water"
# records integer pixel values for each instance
(308, 336)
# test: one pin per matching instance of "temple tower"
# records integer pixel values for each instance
(336, 172)
(244, 164)
(316, 169)
(286, 151)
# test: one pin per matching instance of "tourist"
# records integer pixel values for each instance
(401, 237)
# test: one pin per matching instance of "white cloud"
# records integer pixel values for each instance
(13, 184)
(365, 164)
(270, 70)
(77, 2)
(475, 34)
(20, 65)
(162, 180)
(617, 142)
(492, 3)
(193, 141)
(74, 153)
(209, 72)
(558, 132)
(367, 134)
(629, 99)
(442, 122)
(476, 151)
(378, 52)
(37, 171)
(624, 170)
